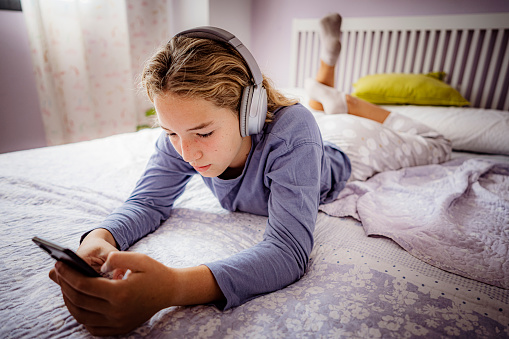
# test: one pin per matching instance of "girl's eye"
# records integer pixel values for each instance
(205, 135)
(171, 135)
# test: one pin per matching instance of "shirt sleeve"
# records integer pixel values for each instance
(150, 203)
(282, 257)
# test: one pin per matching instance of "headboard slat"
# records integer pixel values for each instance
(438, 62)
(316, 50)
(490, 78)
(471, 49)
(366, 53)
(451, 50)
(375, 52)
(359, 51)
(501, 86)
(410, 52)
(482, 71)
(351, 56)
(460, 55)
(429, 51)
(401, 48)
(421, 39)
(469, 73)
(382, 52)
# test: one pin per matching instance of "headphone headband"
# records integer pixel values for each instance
(219, 34)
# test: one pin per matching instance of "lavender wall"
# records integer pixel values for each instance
(271, 22)
(20, 117)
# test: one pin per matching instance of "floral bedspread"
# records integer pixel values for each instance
(356, 286)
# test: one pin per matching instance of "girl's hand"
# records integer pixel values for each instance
(96, 246)
(109, 307)
(94, 250)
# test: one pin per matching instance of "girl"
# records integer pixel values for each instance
(283, 171)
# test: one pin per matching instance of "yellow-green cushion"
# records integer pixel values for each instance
(412, 89)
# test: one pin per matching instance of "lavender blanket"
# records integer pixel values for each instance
(454, 216)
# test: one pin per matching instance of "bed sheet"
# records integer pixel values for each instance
(356, 286)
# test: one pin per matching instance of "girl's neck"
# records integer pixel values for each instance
(239, 163)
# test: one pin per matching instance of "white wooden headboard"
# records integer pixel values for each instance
(472, 49)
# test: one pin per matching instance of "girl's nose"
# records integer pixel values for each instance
(190, 152)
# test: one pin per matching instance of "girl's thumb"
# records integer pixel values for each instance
(124, 261)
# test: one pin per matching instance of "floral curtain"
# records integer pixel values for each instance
(87, 55)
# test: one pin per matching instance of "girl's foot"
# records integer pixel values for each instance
(330, 30)
(332, 100)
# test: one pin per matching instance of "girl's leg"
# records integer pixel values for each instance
(330, 47)
(373, 147)
(374, 139)
(337, 102)
(364, 109)
(325, 76)
(323, 95)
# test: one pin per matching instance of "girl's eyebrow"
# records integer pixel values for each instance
(198, 127)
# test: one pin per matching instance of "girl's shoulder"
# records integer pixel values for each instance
(293, 122)
(296, 112)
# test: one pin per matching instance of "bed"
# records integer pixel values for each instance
(392, 283)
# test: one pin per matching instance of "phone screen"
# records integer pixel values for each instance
(67, 256)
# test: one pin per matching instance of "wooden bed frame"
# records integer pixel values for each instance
(472, 49)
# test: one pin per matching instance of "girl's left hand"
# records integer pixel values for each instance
(109, 307)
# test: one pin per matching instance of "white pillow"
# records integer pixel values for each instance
(469, 129)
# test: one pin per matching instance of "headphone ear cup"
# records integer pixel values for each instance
(257, 110)
(245, 104)
(261, 110)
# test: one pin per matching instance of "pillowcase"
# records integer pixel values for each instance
(412, 89)
(470, 129)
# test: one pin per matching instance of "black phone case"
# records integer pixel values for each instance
(67, 256)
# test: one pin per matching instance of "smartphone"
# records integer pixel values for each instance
(67, 256)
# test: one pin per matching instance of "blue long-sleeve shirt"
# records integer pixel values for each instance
(288, 173)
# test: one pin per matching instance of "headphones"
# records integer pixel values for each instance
(253, 104)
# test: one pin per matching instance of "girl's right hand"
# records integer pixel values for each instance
(112, 307)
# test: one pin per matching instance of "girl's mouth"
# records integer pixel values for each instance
(202, 169)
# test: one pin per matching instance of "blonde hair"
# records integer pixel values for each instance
(203, 68)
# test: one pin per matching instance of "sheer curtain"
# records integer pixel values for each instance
(87, 55)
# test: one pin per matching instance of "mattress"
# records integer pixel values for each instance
(356, 285)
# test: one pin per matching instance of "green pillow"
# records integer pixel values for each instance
(412, 89)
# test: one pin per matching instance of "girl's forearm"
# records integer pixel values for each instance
(190, 285)
(194, 286)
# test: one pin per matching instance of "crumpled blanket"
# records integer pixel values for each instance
(454, 216)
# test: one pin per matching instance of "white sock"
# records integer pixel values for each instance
(332, 100)
(330, 47)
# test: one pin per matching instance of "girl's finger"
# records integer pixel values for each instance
(83, 301)
(93, 287)
(136, 262)
(84, 316)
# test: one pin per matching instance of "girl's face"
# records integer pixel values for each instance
(205, 135)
